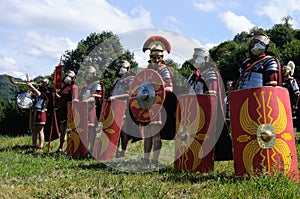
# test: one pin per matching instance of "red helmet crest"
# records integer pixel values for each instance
(157, 43)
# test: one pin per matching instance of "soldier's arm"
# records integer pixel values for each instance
(122, 96)
(75, 93)
(271, 76)
(34, 90)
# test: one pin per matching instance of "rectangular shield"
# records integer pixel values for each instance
(77, 128)
(262, 132)
(195, 128)
(108, 131)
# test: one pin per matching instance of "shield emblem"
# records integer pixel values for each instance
(147, 96)
(77, 129)
(262, 132)
(195, 129)
(108, 130)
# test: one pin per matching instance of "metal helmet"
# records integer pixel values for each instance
(90, 71)
(70, 73)
(259, 44)
(45, 80)
(262, 37)
(289, 68)
(157, 45)
(200, 56)
(124, 64)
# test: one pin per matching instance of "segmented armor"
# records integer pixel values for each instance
(255, 77)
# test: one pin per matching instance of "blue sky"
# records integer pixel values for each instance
(35, 33)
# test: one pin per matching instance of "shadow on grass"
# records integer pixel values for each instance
(183, 177)
(131, 166)
(17, 148)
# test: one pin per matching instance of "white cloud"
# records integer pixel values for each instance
(89, 15)
(236, 23)
(205, 5)
(36, 33)
(46, 46)
(9, 66)
(7, 63)
(208, 5)
(277, 9)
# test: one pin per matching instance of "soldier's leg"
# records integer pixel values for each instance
(124, 143)
(147, 149)
(62, 129)
(34, 136)
(157, 144)
(92, 137)
(41, 136)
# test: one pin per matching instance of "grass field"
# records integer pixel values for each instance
(51, 175)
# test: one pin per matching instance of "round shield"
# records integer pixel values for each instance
(146, 95)
(24, 100)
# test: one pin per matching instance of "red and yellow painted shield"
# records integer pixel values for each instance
(77, 129)
(108, 131)
(195, 127)
(146, 95)
(262, 132)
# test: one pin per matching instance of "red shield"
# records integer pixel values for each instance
(195, 127)
(108, 132)
(262, 132)
(77, 129)
(147, 95)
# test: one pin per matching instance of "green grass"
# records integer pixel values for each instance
(49, 175)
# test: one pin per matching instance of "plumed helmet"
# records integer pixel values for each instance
(157, 45)
(124, 63)
(289, 68)
(70, 73)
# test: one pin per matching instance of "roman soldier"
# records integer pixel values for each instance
(291, 84)
(202, 62)
(262, 68)
(92, 93)
(121, 86)
(260, 116)
(153, 85)
(66, 94)
(42, 94)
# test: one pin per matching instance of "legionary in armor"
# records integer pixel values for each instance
(120, 91)
(202, 62)
(152, 132)
(42, 98)
(92, 93)
(262, 68)
(261, 118)
(291, 84)
(66, 94)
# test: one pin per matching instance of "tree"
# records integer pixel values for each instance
(281, 34)
(101, 50)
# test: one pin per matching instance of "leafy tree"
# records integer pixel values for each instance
(281, 34)
(101, 50)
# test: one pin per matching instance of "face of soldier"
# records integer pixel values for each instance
(122, 71)
(199, 61)
(285, 71)
(257, 47)
(156, 59)
(89, 76)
